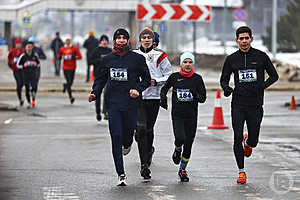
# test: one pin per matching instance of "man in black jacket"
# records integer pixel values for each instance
(55, 46)
(90, 44)
(248, 66)
(127, 76)
(96, 57)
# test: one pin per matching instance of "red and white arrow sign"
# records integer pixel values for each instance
(180, 12)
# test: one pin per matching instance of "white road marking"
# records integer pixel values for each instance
(8, 121)
(56, 193)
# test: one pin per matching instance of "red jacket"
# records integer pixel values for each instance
(13, 57)
(70, 55)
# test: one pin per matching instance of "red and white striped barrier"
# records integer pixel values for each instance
(175, 12)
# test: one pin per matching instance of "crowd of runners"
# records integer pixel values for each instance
(135, 83)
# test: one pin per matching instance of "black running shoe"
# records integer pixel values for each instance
(72, 99)
(64, 88)
(122, 180)
(99, 118)
(21, 102)
(151, 156)
(183, 176)
(176, 157)
(145, 172)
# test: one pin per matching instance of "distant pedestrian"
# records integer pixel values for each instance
(29, 62)
(56, 44)
(96, 56)
(127, 76)
(12, 60)
(90, 44)
(188, 90)
(248, 66)
(69, 53)
(156, 40)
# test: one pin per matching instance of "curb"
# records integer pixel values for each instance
(8, 107)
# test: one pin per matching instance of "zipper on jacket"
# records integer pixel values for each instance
(245, 61)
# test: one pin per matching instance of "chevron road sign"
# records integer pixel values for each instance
(175, 12)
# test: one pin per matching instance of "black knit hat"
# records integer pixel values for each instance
(104, 37)
(121, 31)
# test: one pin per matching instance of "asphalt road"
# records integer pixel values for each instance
(59, 151)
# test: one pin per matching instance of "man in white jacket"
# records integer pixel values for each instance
(160, 69)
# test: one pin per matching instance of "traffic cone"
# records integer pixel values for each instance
(92, 75)
(293, 105)
(218, 121)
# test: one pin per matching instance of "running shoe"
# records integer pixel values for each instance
(122, 180)
(176, 157)
(151, 155)
(32, 103)
(72, 99)
(106, 115)
(21, 102)
(99, 118)
(126, 151)
(242, 178)
(183, 176)
(145, 172)
(247, 149)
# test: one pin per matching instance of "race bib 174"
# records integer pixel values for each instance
(248, 75)
(184, 95)
(118, 74)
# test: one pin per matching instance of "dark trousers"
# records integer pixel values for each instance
(98, 102)
(121, 128)
(37, 78)
(252, 115)
(88, 71)
(146, 118)
(18, 74)
(57, 64)
(29, 77)
(69, 76)
(184, 132)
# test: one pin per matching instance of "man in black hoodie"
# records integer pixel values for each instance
(127, 76)
(96, 56)
(248, 66)
(90, 44)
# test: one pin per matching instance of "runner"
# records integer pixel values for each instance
(248, 66)
(12, 59)
(90, 44)
(96, 56)
(70, 53)
(56, 44)
(127, 76)
(41, 55)
(29, 62)
(160, 69)
(188, 91)
(156, 40)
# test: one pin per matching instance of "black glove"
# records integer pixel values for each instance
(10, 65)
(164, 103)
(227, 91)
(73, 57)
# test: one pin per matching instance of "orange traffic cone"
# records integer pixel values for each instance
(293, 105)
(218, 121)
(92, 75)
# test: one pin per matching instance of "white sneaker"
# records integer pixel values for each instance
(122, 180)
(126, 151)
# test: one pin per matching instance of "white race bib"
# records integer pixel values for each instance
(118, 74)
(248, 75)
(68, 57)
(184, 95)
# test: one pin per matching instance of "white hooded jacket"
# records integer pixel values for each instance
(160, 69)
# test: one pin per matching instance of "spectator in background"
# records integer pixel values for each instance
(90, 44)
(56, 44)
